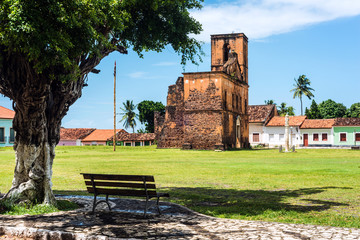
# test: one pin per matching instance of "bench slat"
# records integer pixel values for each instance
(119, 177)
(120, 184)
(122, 192)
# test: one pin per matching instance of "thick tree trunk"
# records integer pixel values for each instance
(40, 101)
(33, 172)
(37, 122)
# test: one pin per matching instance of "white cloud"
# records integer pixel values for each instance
(162, 64)
(138, 74)
(262, 18)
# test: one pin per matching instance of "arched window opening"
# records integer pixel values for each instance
(226, 50)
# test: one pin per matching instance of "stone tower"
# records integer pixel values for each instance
(221, 47)
(208, 110)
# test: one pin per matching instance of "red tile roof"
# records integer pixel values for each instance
(75, 133)
(6, 113)
(317, 123)
(347, 122)
(101, 135)
(260, 113)
(279, 121)
(121, 136)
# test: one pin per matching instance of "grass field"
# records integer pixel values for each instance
(309, 186)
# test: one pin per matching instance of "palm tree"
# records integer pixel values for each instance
(302, 86)
(129, 116)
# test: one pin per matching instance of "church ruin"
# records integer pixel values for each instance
(208, 110)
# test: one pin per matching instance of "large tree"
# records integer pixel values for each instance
(302, 87)
(146, 113)
(47, 50)
(331, 109)
(354, 111)
(313, 112)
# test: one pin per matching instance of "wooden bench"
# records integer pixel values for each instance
(122, 185)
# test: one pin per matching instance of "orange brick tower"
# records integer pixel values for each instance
(221, 47)
(207, 110)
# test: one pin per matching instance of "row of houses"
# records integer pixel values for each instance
(268, 129)
(77, 136)
(102, 137)
(265, 128)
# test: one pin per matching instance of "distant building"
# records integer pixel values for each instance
(346, 132)
(73, 136)
(7, 134)
(259, 116)
(99, 137)
(208, 110)
(133, 139)
(317, 132)
(274, 132)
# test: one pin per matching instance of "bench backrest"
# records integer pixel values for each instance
(121, 185)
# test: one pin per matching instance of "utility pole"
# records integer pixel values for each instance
(114, 139)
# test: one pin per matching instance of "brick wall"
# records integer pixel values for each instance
(171, 134)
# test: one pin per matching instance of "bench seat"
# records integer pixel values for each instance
(122, 185)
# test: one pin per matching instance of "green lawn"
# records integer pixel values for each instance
(309, 186)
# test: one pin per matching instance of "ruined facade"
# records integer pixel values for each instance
(208, 110)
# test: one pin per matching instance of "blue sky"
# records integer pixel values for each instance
(287, 38)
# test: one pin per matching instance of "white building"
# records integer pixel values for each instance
(259, 116)
(317, 132)
(274, 131)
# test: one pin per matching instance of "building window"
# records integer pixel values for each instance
(233, 101)
(225, 100)
(315, 137)
(256, 137)
(128, 144)
(137, 143)
(226, 50)
(12, 135)
(282, 137)
(342, 137)
(237, 102)
(271, 137)
(324, 137)
(357, 137)
(2, 135)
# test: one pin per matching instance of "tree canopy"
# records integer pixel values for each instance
(47, 50)
(269, 102)
(146, 113)
(75, 35)
(354, 111)
(332, 109)
(313, 112)
(283, 110)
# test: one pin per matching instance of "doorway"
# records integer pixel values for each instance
(238, 132)
(306, 139)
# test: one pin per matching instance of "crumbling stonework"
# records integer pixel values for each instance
(171, 133)
(207, 110)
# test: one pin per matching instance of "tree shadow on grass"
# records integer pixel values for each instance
(252, 202)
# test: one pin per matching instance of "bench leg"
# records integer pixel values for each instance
(157, 205)
(96, 203)
(146, 206)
